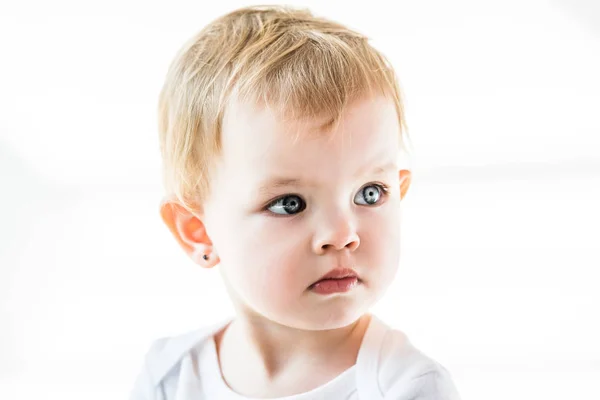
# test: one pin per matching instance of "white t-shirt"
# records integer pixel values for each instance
(388, 366)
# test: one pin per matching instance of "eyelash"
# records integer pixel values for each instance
(385, 189)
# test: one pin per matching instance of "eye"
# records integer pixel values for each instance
(287, 205)
(370, 195)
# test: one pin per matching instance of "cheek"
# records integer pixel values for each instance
(380, 242)
(266, 258)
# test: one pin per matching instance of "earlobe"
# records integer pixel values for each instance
(190, 233)
(405, 179)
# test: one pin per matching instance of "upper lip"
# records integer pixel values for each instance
(339, 273)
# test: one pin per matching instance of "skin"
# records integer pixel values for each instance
(287, 339)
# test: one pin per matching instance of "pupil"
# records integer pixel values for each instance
(291, 204)
(371, 195)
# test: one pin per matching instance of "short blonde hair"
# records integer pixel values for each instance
(284, 57)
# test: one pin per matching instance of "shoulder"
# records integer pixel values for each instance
(165, 353)
(405, 372)
(162, 361)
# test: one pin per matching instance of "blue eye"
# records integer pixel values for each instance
(369, 195)
(287, 205)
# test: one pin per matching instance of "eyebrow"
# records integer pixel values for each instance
(279, 182)
(379, 170)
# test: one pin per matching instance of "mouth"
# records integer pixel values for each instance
(338, 280)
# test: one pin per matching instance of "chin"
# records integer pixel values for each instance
(337, 323)
(327, 313)
(328, 318)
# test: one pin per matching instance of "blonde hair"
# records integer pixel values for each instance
(286, 58)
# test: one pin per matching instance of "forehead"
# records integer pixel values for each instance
(257, 139)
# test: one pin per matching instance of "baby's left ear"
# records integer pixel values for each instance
(405, 177)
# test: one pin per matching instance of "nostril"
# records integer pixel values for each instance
(352, 245)
(344, 236)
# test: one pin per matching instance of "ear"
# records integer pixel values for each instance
(405, 178)
(190, 233)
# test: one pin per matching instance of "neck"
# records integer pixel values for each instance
(279, 349)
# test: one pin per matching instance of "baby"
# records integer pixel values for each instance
(282, 138)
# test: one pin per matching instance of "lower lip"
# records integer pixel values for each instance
(330, 286)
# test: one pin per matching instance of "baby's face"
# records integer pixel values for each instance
(288, 205)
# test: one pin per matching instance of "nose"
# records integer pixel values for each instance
(336, 231)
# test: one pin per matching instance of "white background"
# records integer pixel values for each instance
(499, 278)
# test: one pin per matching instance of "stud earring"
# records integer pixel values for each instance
(205, 257)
